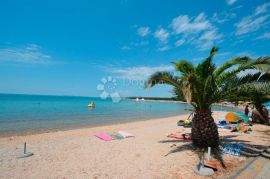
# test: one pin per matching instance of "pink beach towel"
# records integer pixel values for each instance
(103, 136)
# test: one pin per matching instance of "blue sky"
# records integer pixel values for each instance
(68, 47)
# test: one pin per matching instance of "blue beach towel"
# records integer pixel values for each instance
(242, 117)
(233, 149)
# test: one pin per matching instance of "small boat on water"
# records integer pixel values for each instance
(91, 104)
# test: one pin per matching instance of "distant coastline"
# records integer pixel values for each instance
(157, 99)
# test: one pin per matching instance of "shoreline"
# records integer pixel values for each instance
(83, 126)
(77, 153)
(34, 126)
(87, 126)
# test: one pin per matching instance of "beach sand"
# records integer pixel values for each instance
(79, 154)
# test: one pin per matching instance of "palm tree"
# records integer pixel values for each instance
(256, 97)
(205, 84)
(259, 113)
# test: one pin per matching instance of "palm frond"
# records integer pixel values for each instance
(262, 64)
(184, 67)
(241, 78)
(163, 78)
(207, 67)
(231, 63)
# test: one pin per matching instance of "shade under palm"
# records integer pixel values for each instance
(205, 84)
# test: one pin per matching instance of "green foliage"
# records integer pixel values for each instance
(205, 83)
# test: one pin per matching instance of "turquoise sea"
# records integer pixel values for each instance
(32, 113)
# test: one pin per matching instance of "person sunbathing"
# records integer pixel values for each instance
(180, 136)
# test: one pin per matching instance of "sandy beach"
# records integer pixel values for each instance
(79, 154)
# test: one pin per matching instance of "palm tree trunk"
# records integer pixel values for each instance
(204, 130)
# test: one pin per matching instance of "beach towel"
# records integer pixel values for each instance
(187, 126)
(116, 136)
(233, 149)
(104, 136)
(224, 126)
(242, 117)
(125, 134)
(222, 122)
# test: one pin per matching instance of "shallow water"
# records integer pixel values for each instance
(32, 113)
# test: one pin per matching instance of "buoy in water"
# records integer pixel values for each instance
(91, 104)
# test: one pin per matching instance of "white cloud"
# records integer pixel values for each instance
(179, 42)
(139, 73)
(125, 47)
(30, 53)
(162, 35)
(231, 2)
(184, 24)
(143, 31)
(264, 36)
(164, 48)
(223, 17)
(253, 22)
(184, 29)
(262, 8)
(140, 43)
(197, 31)
(207, 39)
(250, 24)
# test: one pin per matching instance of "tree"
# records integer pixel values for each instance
(205, 84)
(259, 113)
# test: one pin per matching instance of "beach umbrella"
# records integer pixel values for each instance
(231, 117)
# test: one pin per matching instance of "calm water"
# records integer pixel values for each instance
(29, 113)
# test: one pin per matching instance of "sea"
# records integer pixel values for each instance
(38, 113)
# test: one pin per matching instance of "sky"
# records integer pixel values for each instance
(86, 48)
